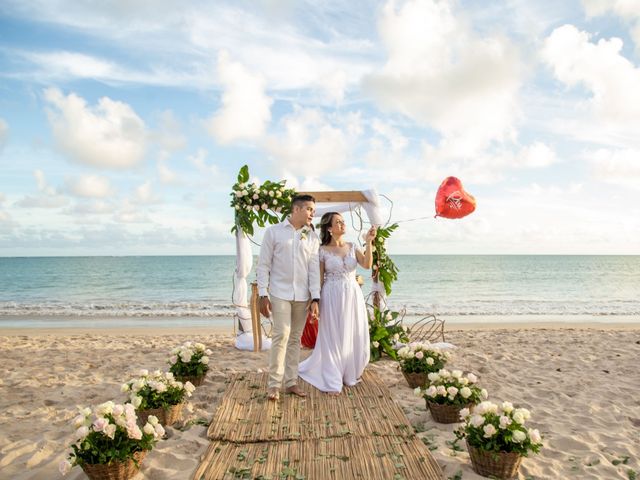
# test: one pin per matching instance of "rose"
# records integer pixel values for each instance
(504, 422)
(489, 431)
(65, 467)
(534, 435)
(465, 392)
(477, 420)
(519, 436)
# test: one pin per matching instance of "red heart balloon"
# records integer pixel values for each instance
(452, 201)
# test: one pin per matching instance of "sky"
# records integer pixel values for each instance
(123, 124)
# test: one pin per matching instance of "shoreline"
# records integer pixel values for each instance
(450, 327)
(65, 325)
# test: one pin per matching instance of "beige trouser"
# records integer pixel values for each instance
(289, 318)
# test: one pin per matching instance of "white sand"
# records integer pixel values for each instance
(581, 384)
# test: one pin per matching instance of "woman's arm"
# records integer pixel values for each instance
(366, 259)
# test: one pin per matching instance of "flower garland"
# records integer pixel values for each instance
(385, 330)
(384, 268)
(268, 203)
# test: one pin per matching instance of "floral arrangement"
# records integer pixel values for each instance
(385, 330)
(268, 203)
(384, 268)
(156, 390)
(112, 435)
(422, 357)
(499, 428)
(452, 388)
(189, 360)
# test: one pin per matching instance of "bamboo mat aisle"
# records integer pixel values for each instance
(361, 433)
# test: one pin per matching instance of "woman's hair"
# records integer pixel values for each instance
(325, 223)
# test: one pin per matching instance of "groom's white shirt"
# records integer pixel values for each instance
(288, 267)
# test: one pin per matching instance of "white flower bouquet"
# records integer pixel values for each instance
(158, 393)
(497, 437)
(417, 359)
(190, 362)
(109, 438)
(422, 357)
(448, 392)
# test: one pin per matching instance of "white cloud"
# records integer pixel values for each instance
(145, 195)
(170, 136)
(128, 213)
(4, 133)
(625, 8)
(96, 207)
(619, 167)
(42, 201)
(246, 109)
(90, 186)
(440, 74)
(628, 10)
(47, 198)
(110, 135)
(612, 80)
(166, 175)
(311, 144)
(536, 155)
(172, 44)
(2, 198)
(199, 160)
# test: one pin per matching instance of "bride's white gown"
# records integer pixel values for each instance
(342, 346)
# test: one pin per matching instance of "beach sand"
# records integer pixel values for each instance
(581, 383)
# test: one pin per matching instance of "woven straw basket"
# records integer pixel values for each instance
(416, 379)
(196, 381)
(503, 465)
(114, 470)
(166, 417)
(445, 413)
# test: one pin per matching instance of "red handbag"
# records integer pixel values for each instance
(310, 333)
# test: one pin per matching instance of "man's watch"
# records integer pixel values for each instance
(317, 300)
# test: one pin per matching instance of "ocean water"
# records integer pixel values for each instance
(38, 291)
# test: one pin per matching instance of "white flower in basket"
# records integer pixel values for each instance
(189, 360)
(497, 428)
(109, 433)
(157, 390)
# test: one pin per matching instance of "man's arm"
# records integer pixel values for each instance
(263, 270)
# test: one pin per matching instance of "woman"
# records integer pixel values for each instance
(342, 347)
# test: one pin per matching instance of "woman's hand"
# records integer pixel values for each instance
(371, 234)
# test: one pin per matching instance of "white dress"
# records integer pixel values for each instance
(342, 346)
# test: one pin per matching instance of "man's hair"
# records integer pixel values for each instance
(298, 200)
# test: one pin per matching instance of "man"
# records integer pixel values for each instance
(289, 286)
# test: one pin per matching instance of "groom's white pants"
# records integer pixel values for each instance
(289, 318)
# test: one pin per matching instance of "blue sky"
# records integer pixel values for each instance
(123, 124)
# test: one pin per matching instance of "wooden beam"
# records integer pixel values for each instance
(337, 197)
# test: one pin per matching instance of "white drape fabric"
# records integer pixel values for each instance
(244, 261)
